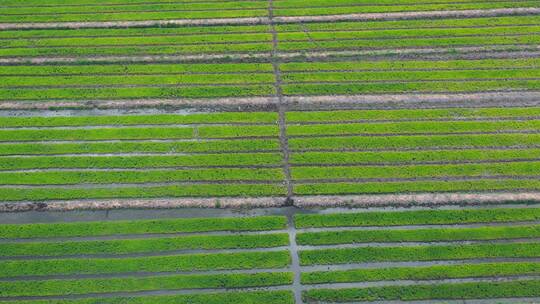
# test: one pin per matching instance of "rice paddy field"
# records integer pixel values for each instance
(269, 151)
(488, 254)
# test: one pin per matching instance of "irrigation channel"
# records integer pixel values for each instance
(393, 255)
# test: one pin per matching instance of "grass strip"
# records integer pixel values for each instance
(476, 290)
(267, 297)
(413, 65)
(188, 262)
(114, 247)
(176, 282)
(374, 76)
(127, 69)
(223, 48)
(418, 86)
(406, 156)
(134, 16)
(418, 235)
(135, 93)
(400, 8)
(159, 119)
(164, 226)
(413, 127)
(415, 142)
(141, 31)
(103, 162)
(482, 185)
(134, 177)
(134, 191)
(418, 253)
(417, 217)
(145, 133)
(437, 272)
(141, 147)
(400, 114)
(416, 171)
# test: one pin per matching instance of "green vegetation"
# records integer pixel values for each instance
(418, 171)
(117, 247)
(165, 161)
(69, 287)
(267, 297)
(186, 262)
(437, 272)
(418, 253)
(141, 147)
(418, 235)
(134, 191)
(409, 156)
(476, 290)
(419, 186)
(164, 226)
(418, 217)
(416, 141)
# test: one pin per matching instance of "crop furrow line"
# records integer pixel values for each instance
(135, 86)
(406, 244)
(127, 154)
(169, 292)
(142, 274)
(457, 79)
(415, 134)
(464, 148)
(165, 140)
(383, 283)
(377, 121)
(142, 126)
(416, 179)
(375, 265)
(403, 163)
(178, 252)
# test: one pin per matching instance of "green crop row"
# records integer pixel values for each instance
(38, 3)
(418, 253)
(375, 76)
(418, 186)
(180, 6)
(143, 40)
(437, 272)
(187, 262)
(400, 8)
(143, 245)
(426, 114)
(413, 127)
(411, 23)
(165, 161)
(417, 217)
(134, 16)
(136, 93)
(457, 291)
(139, 176)
(233, 297)
(418, 235)
(163, 226)
(311, 3)
(412, 171)
(392, 157)
(141, 147)
(415, 141)
(176, 282)
(159, 119)
(399, 87)
(134, 191)
(408, 33)
(127, 69)
(409, 42)
(34, 81)
(134, 31)
(138, 133)
(224, 48)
